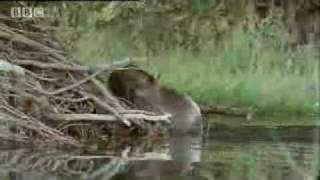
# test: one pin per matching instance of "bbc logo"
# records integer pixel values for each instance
(27, 12)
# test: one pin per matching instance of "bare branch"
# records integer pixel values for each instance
(106, 117)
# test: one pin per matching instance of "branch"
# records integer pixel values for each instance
(107, 107)
(107, 95)
(143, 156)
(6, 33)
(72, 86)
(106, 117)
(73, 67)
(52, 65)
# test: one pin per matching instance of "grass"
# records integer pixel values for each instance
(244, 73)
(274, 81)
(96, 47)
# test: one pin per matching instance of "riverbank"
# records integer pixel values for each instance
(274, 82)
(263, 121)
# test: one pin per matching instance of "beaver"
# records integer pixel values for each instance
(144, 90)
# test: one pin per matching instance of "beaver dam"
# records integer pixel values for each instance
(49, 99)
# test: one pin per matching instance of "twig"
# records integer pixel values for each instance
(105, 117)
(108, 108)
(75, 100)
(52, 65)
(107, 95)
(143, 156)
(36, 76)
(67, 125)
(104, 105)
(64, 67)
(6, 33)
(59, 91)
(16, 138)
(134, 111)
(44, 130)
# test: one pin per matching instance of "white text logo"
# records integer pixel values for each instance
(27, 12)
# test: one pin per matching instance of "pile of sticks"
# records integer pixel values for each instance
(48, 98)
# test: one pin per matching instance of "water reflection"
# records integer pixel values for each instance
(230, 154)
(184, 153)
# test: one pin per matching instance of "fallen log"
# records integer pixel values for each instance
(227, 110)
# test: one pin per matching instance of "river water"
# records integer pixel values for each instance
(225, 153)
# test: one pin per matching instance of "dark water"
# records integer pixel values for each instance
(227, 153)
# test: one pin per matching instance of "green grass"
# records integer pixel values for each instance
(234, 77)
(97, 47)
(270, 79)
